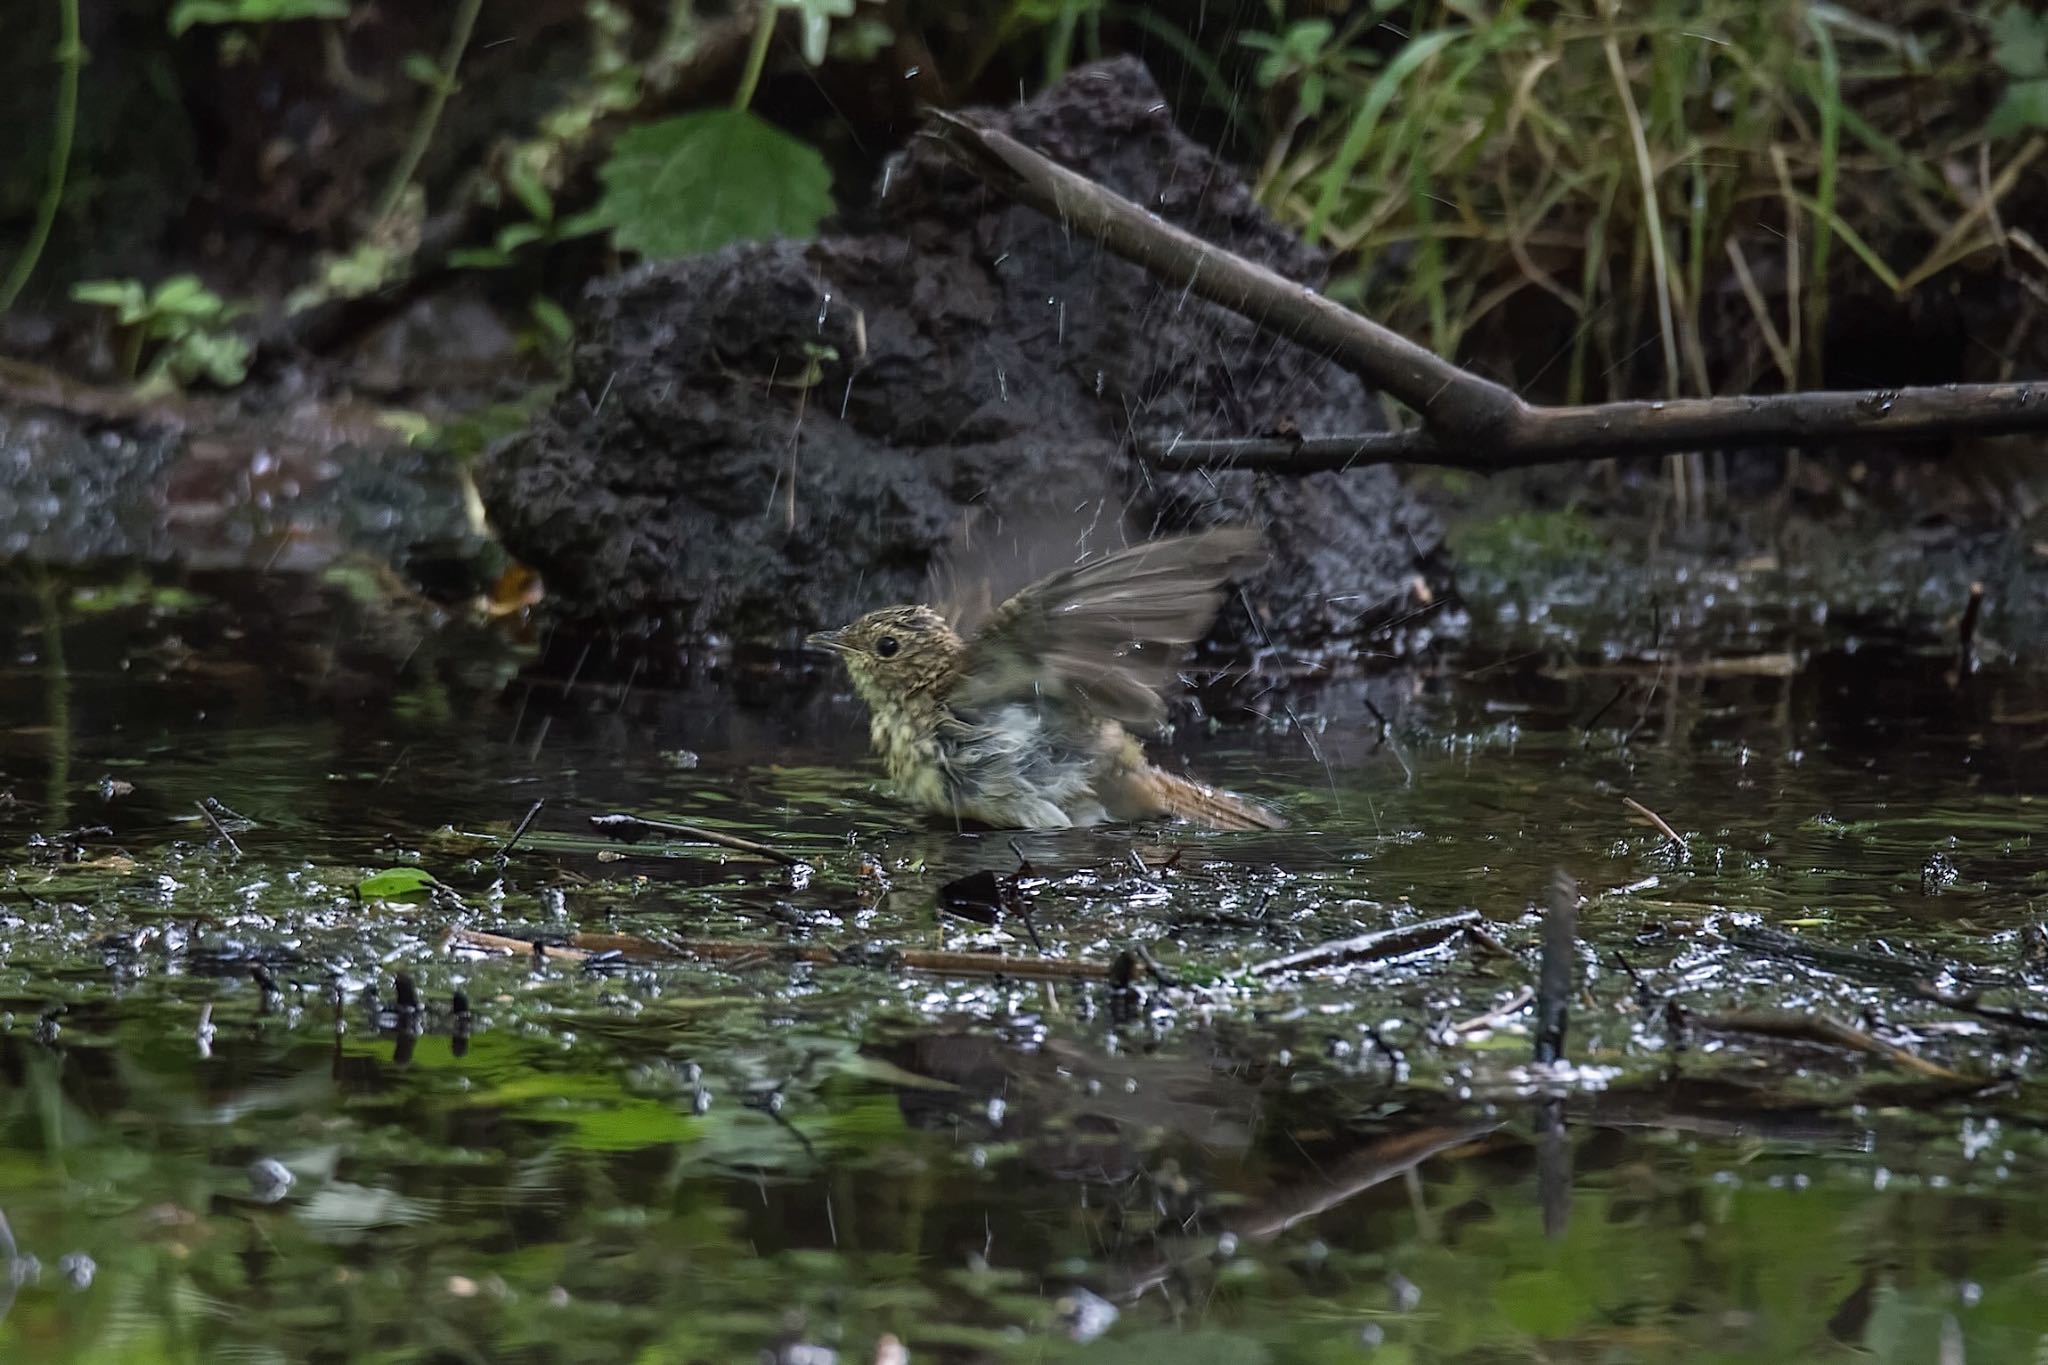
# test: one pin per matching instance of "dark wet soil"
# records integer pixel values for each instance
(649, 1157)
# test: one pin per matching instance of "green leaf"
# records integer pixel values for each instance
(397, 884)
(692, 184)
(816, 18)
(526, 186)
(515, 235)
(185, 296)
(127, 298)
(2019, 42)
(553, 320)
(479, 258)
(423, 69)
(186, 13)
(582, 224)
(218, 356)
(2024, 106)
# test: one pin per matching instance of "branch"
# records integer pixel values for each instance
(1467, 422)
(1455, 399)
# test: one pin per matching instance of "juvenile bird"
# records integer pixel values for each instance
(1022, 726)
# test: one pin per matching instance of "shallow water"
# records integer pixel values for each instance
(668, 1160)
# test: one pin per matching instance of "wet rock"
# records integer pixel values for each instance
(778, 436)
(292, 491)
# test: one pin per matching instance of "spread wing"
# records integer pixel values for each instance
(1105, 636)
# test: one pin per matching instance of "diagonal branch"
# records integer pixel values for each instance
(1468, 422)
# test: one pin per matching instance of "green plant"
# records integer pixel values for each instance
(1688, 181)
(70, 57)
(693, 183)
(523, 181)
(440, 82)
(2020, 48)
(186, 323)
(187, 13)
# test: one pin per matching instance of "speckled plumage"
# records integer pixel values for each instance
(1023, 725)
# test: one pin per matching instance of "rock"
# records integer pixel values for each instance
(778, 436)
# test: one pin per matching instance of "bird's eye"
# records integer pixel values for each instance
(887, 646)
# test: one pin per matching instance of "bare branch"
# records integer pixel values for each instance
(1468, 422)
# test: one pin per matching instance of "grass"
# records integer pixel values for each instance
(1689, 182)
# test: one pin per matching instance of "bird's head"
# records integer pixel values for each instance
(894, 653)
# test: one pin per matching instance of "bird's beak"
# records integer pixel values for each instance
(827, 639)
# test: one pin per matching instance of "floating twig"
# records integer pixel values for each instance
(1377, 946)
(582, 947)
(1824, 1030)
(1893, 968)
(1655, 819)
(218, 827)
(631, 829)
(1499, 1014)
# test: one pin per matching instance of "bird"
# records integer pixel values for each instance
(1027, 723)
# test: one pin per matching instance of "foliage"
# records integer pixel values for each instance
(693, 183)
(2020, 48)
(70, 57)
(186, 321)
(187, 13)
(1681, 186)
(397, 884)
(540, 227)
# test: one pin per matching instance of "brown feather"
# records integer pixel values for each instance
(1144, 792)
(1105, 635)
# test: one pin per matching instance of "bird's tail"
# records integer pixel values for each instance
(1204, 805)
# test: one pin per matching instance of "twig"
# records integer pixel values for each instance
(1468, 422)
(218, 827)
(1640, 809)
(1893, 969)
(630, 829)
(1425, 381)
(1374, 947)
(1822, 1029)
(501, 943)
(1499, 1014)
(505, 850)
(1557, 977)
(581, 947)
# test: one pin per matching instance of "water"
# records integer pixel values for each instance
(666, 1160)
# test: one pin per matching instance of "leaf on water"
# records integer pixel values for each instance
(397, 884)
(692, 184)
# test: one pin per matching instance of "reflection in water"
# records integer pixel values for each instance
(272, 1121)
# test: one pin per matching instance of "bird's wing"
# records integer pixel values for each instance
(1105, 636)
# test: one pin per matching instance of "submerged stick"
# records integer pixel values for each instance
(1558, 975)
(630, 829)
(1827, 1031)
(581, 947)
(1377, 946)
